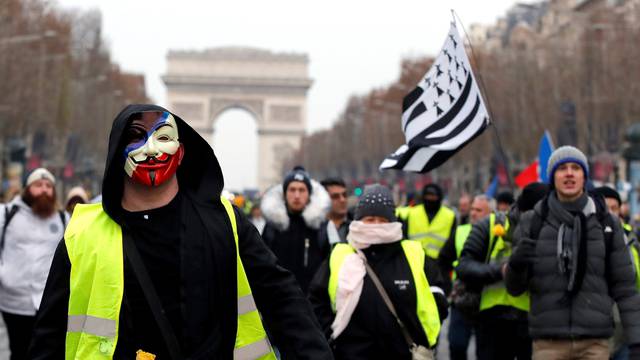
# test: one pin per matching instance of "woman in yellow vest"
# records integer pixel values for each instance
(165, 266)
(349, 306)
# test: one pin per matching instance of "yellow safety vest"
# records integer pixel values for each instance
(432, 235)
(94, 245)
(496, 294)
(462, 233)
(636, 264)
(427, 310)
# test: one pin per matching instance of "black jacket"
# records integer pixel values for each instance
(293, 237)
(208, 276)
(298, 248)
(373, 332)
(476, 272)
(609, 276)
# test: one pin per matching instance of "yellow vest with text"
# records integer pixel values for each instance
(432, 235)
(94, 245)
(496, 294)
(426, 308)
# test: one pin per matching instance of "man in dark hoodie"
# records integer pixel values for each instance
(431, 223)
(294, 212)
(571, 256)
(165, 265)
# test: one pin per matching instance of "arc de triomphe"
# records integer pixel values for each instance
(271, 86)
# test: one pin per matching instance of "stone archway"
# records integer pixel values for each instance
(272, 87)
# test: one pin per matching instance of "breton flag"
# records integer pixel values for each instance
(442, 114)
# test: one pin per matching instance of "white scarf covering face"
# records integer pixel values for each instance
(352, 272)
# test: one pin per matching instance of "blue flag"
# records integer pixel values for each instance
(493, 187)
(544, 153)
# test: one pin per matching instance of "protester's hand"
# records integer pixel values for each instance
(523, 255)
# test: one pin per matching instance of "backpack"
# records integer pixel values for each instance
(602, 214)
(10, 213)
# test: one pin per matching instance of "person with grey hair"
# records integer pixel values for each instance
(460, 327)
(501, 320)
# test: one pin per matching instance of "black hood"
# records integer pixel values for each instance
(199, 173)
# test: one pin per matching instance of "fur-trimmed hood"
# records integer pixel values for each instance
(274, 208)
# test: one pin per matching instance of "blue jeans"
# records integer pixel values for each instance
(460, 330)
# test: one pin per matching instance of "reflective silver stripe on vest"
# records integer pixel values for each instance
(428, 234)
(246, 304)
(91, 325)
(252, 351)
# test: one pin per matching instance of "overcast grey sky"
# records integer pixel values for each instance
(353, 46)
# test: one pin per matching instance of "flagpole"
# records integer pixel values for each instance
(455, 15)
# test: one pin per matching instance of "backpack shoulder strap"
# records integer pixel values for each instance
(537, 220)
(63, 218)
(8, 215)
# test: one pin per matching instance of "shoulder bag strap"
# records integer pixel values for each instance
(133, 256)
(387, 301)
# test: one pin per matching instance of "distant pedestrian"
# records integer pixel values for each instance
(461, 325)
(294, 212)
(32, 228)
(430, 223)
(334, 230)
(77, 195)
(256, 218)
(464, 209)
(504, 200)
(501, 322)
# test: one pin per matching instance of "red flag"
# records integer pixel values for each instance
(528, 175)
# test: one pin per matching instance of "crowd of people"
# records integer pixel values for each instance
(165, 265)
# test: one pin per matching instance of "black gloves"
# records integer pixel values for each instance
(524, 254)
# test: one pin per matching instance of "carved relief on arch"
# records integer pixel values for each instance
(254, 107)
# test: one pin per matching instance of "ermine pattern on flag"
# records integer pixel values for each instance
(442, 114)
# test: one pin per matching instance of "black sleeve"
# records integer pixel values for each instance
(437, 282)
(446, 257)
(517, 282)
(49, 333)
(319, 298)
(473, 269)
(283, 306)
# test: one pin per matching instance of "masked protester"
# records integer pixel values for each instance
(165, 265)
(430, 223)
(350, 306)
(32, 227)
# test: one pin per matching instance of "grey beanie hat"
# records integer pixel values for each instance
(563, 155)
(376, 201)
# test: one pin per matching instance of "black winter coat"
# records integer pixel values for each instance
(207, 280)
(373, 332)
(298, 248)
(588, 314)
(476, 272)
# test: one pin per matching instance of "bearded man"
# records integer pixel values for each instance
(30, 232)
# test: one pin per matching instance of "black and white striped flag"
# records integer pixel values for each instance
(442, 114)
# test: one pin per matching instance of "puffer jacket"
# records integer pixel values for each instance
(609, 277)
(293, 238)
